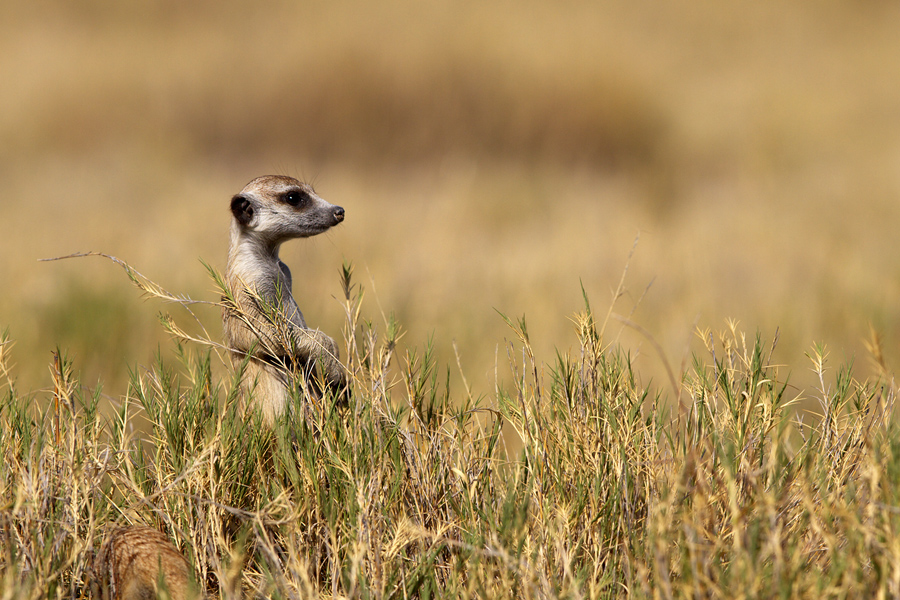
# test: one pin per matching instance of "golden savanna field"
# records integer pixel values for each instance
(489, 156)
(711, 162)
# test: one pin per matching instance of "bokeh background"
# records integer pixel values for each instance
(491, 156)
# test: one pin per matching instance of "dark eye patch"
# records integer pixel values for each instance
(295, 197)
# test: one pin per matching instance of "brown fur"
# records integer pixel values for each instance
(133, 560)
(265, 322)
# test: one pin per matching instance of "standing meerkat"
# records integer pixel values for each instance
(264, 321)
(134, 561)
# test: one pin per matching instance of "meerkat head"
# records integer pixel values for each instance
(276, 208)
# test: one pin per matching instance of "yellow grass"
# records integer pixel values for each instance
(489, 156)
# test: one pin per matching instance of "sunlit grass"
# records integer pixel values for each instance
(606, 488)
(475, 147)
(490, 156)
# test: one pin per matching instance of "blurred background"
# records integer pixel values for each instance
(491, 156)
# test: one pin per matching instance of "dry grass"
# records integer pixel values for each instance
(413, 490)
(511, 150)
(490, 156)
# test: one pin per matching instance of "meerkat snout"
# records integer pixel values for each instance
(338, 214)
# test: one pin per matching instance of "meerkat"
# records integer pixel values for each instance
(263, 322)
(140, 563)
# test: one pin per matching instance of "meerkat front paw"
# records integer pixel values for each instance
(333, 372)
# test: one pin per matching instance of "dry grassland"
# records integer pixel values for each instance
(492, 157)
(489, 156)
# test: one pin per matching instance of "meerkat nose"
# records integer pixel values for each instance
(338, 214)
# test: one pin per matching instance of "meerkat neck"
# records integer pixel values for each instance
(245, 245)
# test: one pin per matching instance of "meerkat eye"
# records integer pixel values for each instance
(295, 198)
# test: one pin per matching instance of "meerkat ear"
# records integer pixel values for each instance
(242, 209)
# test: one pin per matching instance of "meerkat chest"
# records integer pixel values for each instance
(291, 309)
(269, 279)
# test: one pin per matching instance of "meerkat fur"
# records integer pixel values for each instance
(263, 324)
(140, 563)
